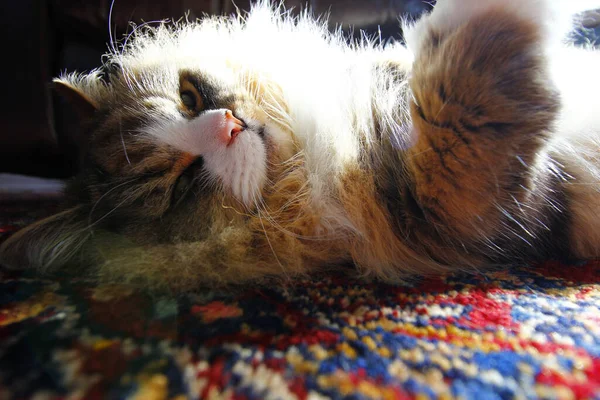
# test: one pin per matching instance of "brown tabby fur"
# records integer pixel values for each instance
(472, 184)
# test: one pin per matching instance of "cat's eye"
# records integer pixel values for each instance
(189, 100)
(190, 96)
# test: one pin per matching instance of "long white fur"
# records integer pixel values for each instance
(326, 83)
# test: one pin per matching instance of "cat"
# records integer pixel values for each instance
(261, 147)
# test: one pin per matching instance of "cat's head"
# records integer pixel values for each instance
(182, 138)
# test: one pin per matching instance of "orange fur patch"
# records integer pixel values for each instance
(182, 163)
(374, 246)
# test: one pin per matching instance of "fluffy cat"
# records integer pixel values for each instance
(244, 149)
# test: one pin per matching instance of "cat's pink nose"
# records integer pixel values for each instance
(232, 128)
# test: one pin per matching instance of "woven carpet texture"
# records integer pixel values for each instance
(529, 332)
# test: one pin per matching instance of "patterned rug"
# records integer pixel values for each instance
(530, 332)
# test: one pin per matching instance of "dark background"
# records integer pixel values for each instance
(43, 38)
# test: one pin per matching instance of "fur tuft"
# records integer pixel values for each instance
(47, 244)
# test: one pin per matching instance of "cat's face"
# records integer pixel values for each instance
(175, 153)
(189, 139)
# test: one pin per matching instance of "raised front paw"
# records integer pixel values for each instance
(482, 105)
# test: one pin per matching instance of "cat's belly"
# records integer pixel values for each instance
(577, 144)
(576, 73)
(584, 205)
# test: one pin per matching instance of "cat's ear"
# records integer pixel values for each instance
(48, 244)
(84, 92)
(81, 103)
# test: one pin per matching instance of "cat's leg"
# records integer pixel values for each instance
(482, 108)
(231, 257)
(254, 252)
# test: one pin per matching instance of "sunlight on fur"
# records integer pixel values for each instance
(261, 147)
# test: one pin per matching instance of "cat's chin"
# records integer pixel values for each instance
(241, 165)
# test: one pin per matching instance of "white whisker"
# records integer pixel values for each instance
(90, 223)
(123, 142)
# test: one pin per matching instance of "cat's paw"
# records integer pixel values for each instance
(551, 18)
(482, 105)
